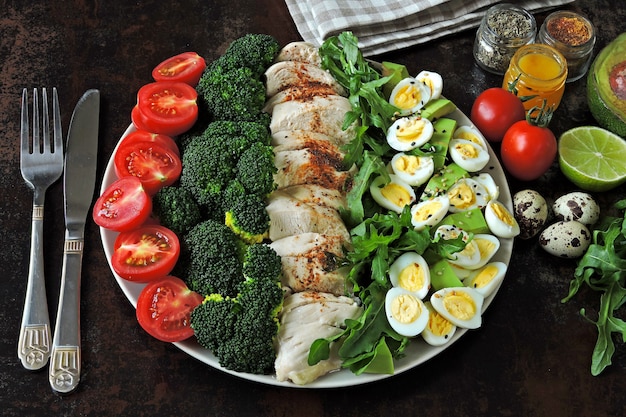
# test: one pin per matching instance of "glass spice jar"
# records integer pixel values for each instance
(538, 71)
(503, 30)
(574, 36)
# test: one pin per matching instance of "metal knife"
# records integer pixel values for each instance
(78, 184)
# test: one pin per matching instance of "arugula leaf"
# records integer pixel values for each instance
(603, 269)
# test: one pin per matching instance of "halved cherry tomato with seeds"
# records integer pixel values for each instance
(164, 308)
(145, 136)
(186, 68)
(123, 206)
(165, 107)
(146, 253)
(154, 165)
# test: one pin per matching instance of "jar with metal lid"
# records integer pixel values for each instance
(538, 72)
(574, 36)
(502, 31)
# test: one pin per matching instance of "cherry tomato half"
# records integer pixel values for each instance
(164, 308)
(154, 165)
(186, 68)
(494, 111)
(146, 253)
(145, 136)
(528, 150)
(166, 107)
(123, 206)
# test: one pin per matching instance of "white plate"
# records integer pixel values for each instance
(417, 352)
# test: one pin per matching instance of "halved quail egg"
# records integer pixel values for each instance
(412, 169)
(405, 312)
(500, 220)
(411, 272)
(439, 330)
(486, 180)
(469, 256)
(486, 279)
(462, 306)
(394, 194)
(467, 194)
(488, 245)
(410, 95)
(470, 133)
(408, 133)
(468, 155)
(429, 212)
(433, 80)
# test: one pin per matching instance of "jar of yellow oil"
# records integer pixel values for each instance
(537, 72)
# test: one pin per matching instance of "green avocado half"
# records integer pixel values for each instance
(606, 86)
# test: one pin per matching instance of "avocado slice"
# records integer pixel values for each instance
(398, 73)
(606, 86)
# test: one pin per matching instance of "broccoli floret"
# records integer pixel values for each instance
(256, 169)
(231, 93)
(210, 159)
(176, 209)
(248, 218)
(213, 255)
(241, 331)
(255, 51)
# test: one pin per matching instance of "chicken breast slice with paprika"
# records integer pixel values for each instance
(284, 74)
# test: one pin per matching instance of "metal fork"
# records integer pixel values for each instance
(41, 163)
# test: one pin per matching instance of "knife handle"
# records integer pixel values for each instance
(34, 340)
(65, 360)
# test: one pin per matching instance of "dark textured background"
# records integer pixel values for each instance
(531, 358)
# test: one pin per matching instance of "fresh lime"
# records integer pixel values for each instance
(593, 158)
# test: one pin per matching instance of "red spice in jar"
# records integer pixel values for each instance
(569, 30)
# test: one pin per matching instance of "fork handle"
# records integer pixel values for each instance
(65, 360)
(34, 338)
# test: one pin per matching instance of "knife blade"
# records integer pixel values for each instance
(78, 184)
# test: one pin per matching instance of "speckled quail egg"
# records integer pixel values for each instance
(467, 194)
(411, 272)
(439, 330)
(566, 239)
(486, 279)
(410, 95)
(433, 80)
(394, 194)
(412, 169)
(577, 206)
(408, 133)
(405, 312)
(468, 155)
(500, 220)
(429, 212)
(531, 212)
(462, 306)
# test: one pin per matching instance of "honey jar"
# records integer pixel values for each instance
(538, 71)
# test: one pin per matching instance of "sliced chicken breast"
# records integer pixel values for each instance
(300, 92)
(305, 317)
(285, 137)
(300, 51)
(290, 216)
(322, 114)
(304, 243)
(316, 195)
(306, 166)
(284, 74)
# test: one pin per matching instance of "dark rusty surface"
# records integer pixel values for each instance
(531, 358)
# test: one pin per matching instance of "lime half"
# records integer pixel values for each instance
(593, 158)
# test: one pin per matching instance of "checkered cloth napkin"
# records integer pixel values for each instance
(386, 25)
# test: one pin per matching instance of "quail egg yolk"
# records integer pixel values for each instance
(503, 214)
(439, 325)
(412, 277)
(411, 130)
(467, 150)
(485, 276)
(459, 305)
(461, 196)
(407, 97)
(426, 211)
(405, 308)
(397, 194)
(407, 163)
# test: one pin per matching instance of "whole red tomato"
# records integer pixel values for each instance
(494, 111)
(528, 150)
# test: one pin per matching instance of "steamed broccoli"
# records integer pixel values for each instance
(241, 330)
(255, 169)
(248, 218)
(210, 159)
(255, 51)
(213, 256)
(231, 93)
(176, 209)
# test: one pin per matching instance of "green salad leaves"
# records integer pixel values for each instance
(603, 269)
